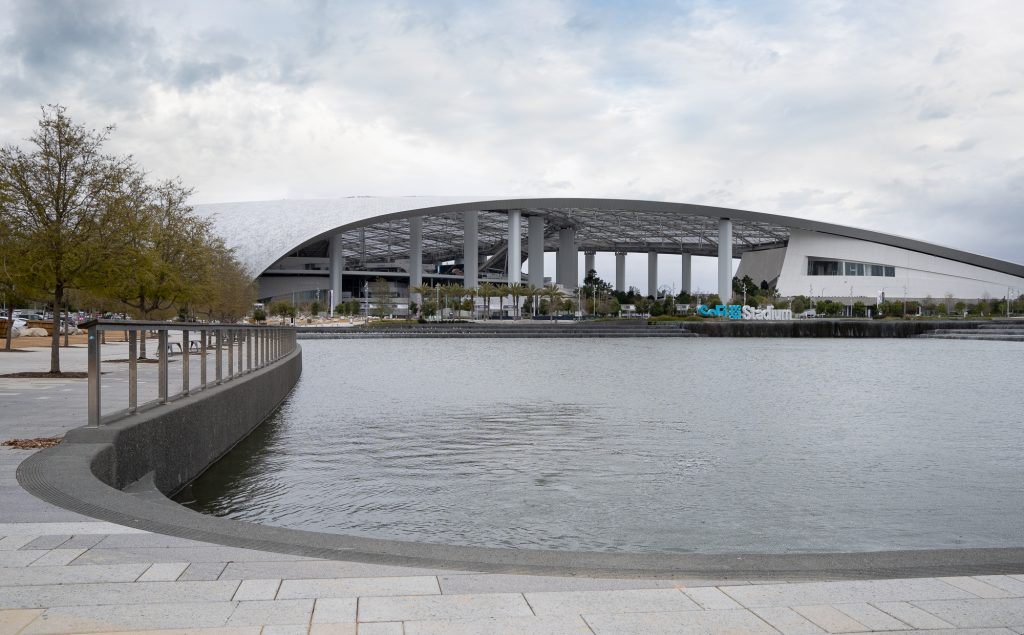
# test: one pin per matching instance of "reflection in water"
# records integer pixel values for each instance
(710, 445)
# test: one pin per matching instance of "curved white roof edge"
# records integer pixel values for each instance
(261, 232)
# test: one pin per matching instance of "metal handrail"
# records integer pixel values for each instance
(254, 346)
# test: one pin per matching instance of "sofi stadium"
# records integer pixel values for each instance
(300, 249)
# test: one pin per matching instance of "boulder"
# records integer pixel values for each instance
(34, 332)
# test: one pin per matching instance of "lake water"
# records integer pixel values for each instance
(702, 445)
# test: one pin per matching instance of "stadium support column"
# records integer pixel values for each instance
(535, 249)
(652, 273)
(470, 264)
(337, 266)
(567, 258)
(415, 254)
(620, 271)
(687, 284)
(725, 260)
(515, 249)
(588, 262)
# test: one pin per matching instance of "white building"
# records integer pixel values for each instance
(330, 248)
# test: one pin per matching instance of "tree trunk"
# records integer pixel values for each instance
(58, 299)
(10, 329)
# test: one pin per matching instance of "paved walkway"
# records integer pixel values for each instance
(65, 573)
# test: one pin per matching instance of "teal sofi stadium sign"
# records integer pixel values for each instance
(744, 312)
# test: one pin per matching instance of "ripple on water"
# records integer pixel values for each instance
(706, 445)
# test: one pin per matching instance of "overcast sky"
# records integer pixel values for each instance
(905, 117)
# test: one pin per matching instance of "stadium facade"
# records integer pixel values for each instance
(330, 249)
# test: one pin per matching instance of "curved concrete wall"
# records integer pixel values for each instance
(178, 441)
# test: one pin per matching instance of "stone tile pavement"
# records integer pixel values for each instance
(65, 573)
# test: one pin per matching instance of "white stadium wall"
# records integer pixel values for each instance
(921, 274)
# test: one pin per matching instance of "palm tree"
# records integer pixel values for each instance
(471, 293)
(487, 291)
(534, 293)
(516, 290)
(456, 291)
(554, 296)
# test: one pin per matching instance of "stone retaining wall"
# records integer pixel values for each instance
(178, 441)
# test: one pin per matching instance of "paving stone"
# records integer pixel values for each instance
(143, 540)
(787, 621)
(382, 628)
(545, 625)
(977, 587)
(353, 587)
(501, 583)
(1007, 583)
(15, 542)
(13, 620)
(164, 572)
(204, 571)
(176, 554)
(710, 598)
(123, 593)
(912, 615)
(314, 569)
(965, 631)
(813, 593)
(75, 528)
(976, 613)
(240, 630)
(335, 629)
(47, 542)
(84, 541)
(26, 576)
(577, 602)
(432, 607)
(830, 618)
(257, 590)
(272, 612)
(334, 611)
(735, 622)
(133, 617)
(20, 558)
(873, 618)
(57, 557)
(285, 629)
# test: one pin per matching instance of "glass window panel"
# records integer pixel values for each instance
(822, 268)
(890, 272)
(860, 269)
(877, 270)
(851, 268)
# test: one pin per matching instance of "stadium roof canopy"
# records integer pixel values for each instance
(377, 229)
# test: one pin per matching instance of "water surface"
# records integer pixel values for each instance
(677, 445)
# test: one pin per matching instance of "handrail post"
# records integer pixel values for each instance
(219, 375)
(184, 362)
(94, 376)
(202, 358)
(162, 374)
(231, 355)
(133, 370)
(248, 350)
(240, 336)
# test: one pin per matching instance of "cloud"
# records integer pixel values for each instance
(880, 115)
